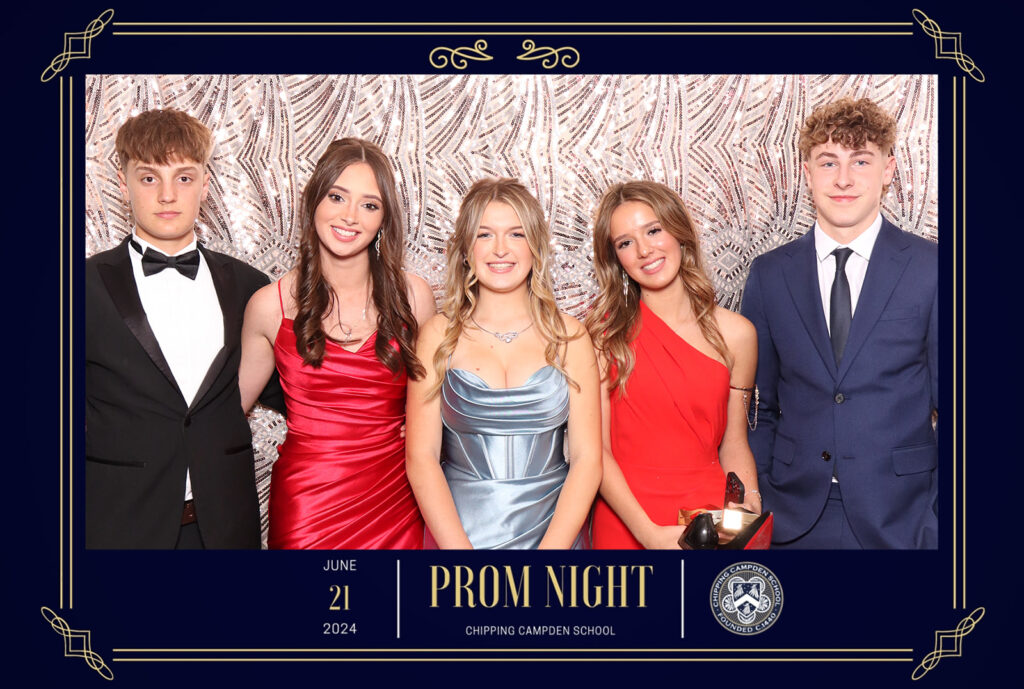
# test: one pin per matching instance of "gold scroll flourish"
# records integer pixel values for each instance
(948, 38)
(84, 651)
(550, 57)
(439, 56)
(965, 627)
(77, 45)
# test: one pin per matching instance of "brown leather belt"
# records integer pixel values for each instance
(188, 514)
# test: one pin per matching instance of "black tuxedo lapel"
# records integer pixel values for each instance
(886, 266)
(801, 275)
(119, 282)
(231, 310)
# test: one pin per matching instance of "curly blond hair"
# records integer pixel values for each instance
(849, 123)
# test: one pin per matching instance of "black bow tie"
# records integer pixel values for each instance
(153, 261)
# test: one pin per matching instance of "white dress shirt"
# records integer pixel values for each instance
(186, 319)
(856, 265)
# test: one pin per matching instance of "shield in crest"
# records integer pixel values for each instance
(747, 598)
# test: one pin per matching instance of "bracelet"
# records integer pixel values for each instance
(752, 425)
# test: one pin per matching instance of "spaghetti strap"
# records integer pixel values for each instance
(280, 299)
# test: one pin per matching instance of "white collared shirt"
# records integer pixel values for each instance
(186, 319)
(856, 264)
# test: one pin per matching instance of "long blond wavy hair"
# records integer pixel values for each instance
(613, 321)
(461, 287)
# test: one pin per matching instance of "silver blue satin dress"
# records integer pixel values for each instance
(502, 455)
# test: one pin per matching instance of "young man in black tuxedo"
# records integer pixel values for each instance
(169, 458)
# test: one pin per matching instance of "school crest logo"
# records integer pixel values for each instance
(746, 598)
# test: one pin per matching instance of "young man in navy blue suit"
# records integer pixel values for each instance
(847, 322)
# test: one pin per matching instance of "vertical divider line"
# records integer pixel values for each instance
(682, 600)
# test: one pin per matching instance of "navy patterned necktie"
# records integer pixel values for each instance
(840, 305)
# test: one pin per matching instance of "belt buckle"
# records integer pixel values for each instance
(188, 513)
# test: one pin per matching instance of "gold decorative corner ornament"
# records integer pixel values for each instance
(439, 56)
(77, 45)
(84, 650)
(951, 39)
(965, 627)
(550, 57)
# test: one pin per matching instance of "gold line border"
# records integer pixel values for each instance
(911, 24)
(512, 650)
(512, 660)
(60, 342)
(956, 539)
(646, 33)
(963, 323)
(513, 33)
(71, 349)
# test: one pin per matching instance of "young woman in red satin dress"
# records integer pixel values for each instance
(341, 327)
(679, 371)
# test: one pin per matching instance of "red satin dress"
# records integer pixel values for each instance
(339, 481)
(665, 431)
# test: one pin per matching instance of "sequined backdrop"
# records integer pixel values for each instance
(726, 143)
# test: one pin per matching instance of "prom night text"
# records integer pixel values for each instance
(565, 586)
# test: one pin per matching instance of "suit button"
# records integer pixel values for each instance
(188, 421)
(826, 455)
(840, 398)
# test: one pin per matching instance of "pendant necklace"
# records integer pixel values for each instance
(347, 330)
(504, 337)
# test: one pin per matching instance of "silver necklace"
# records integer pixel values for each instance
(347, 330)
(504, 337)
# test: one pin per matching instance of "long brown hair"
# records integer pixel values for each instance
(314, 296)
(615, 317)
(461, 288)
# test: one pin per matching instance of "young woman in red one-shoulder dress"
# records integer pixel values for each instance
(679, 372)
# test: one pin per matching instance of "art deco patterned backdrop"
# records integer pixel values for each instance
(726, 143)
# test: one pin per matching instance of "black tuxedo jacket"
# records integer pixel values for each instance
(140, 433)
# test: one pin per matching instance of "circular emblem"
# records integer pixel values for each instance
(746, 598)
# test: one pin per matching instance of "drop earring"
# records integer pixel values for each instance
(625, 284)
(376, 244)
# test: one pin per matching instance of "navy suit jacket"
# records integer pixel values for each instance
(869, 419)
